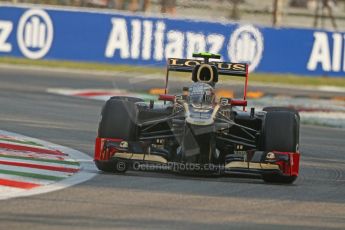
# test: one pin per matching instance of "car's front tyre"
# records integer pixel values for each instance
(281, 133)
(119, 117)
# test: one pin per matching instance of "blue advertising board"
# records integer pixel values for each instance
(114, 37)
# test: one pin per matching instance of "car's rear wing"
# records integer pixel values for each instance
(224, 68)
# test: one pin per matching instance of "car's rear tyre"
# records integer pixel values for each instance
(281, 133)
(119, 117)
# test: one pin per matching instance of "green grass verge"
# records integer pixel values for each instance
(286, 79)
(290, 79)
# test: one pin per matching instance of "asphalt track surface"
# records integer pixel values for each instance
(157, 200)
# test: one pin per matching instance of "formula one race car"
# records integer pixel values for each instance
(195, 133)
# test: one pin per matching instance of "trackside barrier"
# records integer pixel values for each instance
(114, 37)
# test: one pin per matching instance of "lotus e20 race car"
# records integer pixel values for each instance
(195, 133)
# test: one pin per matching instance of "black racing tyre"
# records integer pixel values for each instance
(281, 129)
(277, 108)
(119, 116)
(278, 179)
(118, 120)
(281, 133)
(116, 166)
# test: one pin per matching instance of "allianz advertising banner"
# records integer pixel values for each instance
(112, 37)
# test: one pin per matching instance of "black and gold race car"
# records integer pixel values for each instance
(197, 133)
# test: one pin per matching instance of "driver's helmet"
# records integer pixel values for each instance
(201, 94)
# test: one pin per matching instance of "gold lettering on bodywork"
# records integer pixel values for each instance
(239, 67)
(191, 63)
(222, 65)
(174, 62)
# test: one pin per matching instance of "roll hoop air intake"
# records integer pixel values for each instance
(205, 73)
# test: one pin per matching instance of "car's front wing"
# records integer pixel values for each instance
(256, 162)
